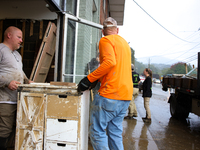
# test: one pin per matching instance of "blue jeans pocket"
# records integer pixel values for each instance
(109, 105)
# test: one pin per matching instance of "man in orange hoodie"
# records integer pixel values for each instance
(111, 103)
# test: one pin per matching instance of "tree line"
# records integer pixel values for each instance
(160, 69)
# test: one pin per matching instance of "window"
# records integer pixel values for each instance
(80, 47)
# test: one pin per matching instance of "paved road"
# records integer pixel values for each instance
(167, 132)
(164, 132)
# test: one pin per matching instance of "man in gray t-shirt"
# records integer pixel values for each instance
(11, 74)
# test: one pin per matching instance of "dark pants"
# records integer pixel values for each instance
(7, 125)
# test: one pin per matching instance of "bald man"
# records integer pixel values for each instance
(11, 74)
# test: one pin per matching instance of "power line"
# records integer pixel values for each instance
(184, 53)
(160, 24)
(196, 38)
(176, 45)
(189, 50)
(168, 53)
(173, 53)
(191, 58)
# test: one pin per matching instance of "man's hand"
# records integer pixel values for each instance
(29, 82)
(13, 85)
(84, 84)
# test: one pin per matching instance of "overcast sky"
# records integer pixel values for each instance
(175, 35)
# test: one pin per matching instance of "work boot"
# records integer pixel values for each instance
(147, 120)
(134, 115)
(128, 117)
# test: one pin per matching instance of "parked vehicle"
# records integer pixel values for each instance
(142, 78)
(161, 79)
(156, 80)
(140, 86)
(185, 93)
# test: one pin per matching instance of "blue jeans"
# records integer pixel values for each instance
(106, 119)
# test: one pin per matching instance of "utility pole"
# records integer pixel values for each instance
(149, 63)
(186, 70)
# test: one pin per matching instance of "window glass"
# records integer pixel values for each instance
(87, 51)
(58, 2)
(81, 46)
(85, 59)
(71, 6)
(69, 67)
(66, 5)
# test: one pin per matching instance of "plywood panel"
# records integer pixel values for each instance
(62, 106)
(45, 55)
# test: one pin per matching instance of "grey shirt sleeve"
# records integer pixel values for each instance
(10, 69)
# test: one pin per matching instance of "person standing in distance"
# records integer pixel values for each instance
(111, 103)
(11, 74)
(132, 110)
(147, 93)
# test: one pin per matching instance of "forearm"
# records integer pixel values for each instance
(107, 60)
(103, 69)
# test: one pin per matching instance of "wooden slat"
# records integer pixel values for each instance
(63, 83)
(45, 55)
(41, 30)
(30, 121)
(23, 31)
(31, 28)
(1, 30)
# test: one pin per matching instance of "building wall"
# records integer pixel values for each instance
(104, 11)
(96, 33)
(88, 37)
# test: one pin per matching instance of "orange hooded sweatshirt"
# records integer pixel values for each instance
(114, 71)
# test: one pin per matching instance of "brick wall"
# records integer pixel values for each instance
(103, 13)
